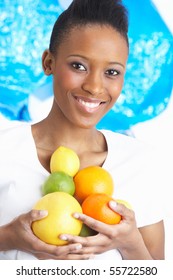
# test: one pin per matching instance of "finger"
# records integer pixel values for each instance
(79, 257)
(65, 257)
(92, 223)
(87, 243)
(35, 215)
(92, 244)
(121, 209)
(54, 250)
(74, 239)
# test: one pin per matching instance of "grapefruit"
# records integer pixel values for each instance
(60, 207)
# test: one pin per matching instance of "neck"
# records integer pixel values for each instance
(51, 133)
(55, 131)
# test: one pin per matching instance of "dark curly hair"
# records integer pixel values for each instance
(87, 12)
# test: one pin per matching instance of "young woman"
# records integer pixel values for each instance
(87, 57)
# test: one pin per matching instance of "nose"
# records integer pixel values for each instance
(93, 84)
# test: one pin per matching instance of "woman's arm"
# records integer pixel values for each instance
(154, 238)
(4, 236)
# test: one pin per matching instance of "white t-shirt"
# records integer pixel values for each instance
(133, 166)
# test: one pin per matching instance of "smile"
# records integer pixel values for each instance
(89, 105)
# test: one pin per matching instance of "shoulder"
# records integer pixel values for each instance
(131, 157)
(117, 136)
(125, 143)
(12, 133)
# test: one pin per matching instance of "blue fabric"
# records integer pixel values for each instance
(25, 32)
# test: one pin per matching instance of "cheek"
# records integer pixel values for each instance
(67, 80)
(115, 89)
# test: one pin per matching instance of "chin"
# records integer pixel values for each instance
(87, 126)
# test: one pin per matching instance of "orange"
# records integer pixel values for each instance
(96, 206)
(60, 207)
(92, 179)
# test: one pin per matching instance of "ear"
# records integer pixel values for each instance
(47, 62)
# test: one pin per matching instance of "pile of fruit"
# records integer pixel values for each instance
(67, 190)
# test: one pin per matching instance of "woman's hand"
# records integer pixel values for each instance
(124, 236)
(18, 235)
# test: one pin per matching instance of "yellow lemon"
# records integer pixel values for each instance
(127, 204)
(60, 207)
(65, 160)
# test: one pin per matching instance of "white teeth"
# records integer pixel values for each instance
(89, 104)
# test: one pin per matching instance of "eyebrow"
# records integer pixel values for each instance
(84, 57)
(122, 65)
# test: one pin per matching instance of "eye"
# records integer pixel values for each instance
(78, 66)
(112, 72)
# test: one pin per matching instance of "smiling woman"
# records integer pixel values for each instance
(87, 79)
(87, 61)
(26, 94)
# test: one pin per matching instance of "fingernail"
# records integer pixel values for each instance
(63, 237)
(76, 215)
(43, 213)
(113, 204)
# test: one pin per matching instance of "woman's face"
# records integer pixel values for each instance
(88, 73)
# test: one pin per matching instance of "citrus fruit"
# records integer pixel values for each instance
(87, 231)
(127, 204)
(96, 206)
(92, 179)
(58, 182)
(65, 160)
(60, 207)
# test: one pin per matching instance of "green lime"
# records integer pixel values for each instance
(87, 231)
(58, 182)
